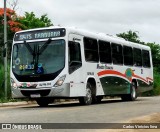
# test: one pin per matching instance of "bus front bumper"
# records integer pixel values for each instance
(61, 91)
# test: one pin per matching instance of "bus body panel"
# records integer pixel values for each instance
(110, 79)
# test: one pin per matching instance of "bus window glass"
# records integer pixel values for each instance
(146, 58)
(137, 55)
(105, 52)
(117, 56)
(128, 55)
(51, 60)
(91, 50)
(74, 56)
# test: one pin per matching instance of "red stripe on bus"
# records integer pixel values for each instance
(111, 72)
(146, 80)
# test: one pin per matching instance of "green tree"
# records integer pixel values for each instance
(130, 36)
(155, 48)
(12, 26)
(16, 23)
(30, 21)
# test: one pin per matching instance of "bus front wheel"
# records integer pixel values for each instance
(87, 100)
(43, 102)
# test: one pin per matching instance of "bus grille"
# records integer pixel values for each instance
(41, 92)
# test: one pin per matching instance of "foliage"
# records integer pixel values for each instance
(2, 83)
(130, 36)
(30, 21)
(155, 48)
(156, 87)
(12, 26)
(1, 79)
(16, 23)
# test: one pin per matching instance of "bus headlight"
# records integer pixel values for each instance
(60, 81)
(13, 84)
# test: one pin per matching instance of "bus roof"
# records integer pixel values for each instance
(105, 37)
(100, 36)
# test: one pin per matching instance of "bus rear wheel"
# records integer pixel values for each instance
(133, 94)
(99, 99)
(87, 100)
(43, 102)
(96, 99)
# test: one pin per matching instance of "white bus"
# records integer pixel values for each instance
(56, 62)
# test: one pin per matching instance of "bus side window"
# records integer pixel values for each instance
(137, 57)
(128, 55)
(91, 50)
(105, 52)
(117, 56)
(75, 61)
(146, 58)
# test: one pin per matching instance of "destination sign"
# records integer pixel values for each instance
(40, 34)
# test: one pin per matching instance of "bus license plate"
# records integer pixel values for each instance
(35, 95)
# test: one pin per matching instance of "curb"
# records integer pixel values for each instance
(16, 103)
(59, 101)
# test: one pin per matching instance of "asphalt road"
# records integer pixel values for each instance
(109, 111)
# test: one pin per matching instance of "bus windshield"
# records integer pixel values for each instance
(38, 60)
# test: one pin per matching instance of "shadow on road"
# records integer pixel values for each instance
(75, 104)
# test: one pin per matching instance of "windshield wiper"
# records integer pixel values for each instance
(36, 52)
(44, 46)
(39, 50)
(28, 47)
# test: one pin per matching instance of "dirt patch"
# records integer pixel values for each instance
(153, 118)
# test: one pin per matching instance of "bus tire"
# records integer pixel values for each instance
(99, 99)
(133, 94)
(87, 100)
(43, 102)
(96, 99)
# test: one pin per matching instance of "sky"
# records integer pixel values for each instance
(100, 16)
